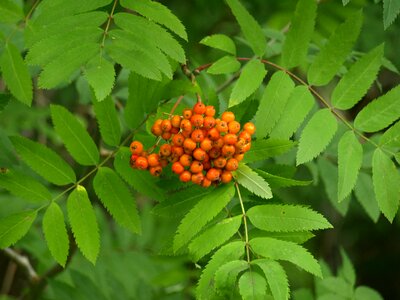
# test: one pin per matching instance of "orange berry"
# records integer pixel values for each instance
(197, 178)
(156, 171)
(186, 160)
(213, 174)
(226, 176)
(166, 135)
(177, 168)
(233, 127)
(197, 135)
(206, 165)
(209, 122)
(165, 150)
(197, 120)
(186, 134)
(176, 153)
(206, 182)
(199, 108)
(239, 157)
(164, 162)
(206, 144)
(246, 147)
(240, 143)
(219, 143)
(213, 134)
(228, 116)
(185, 176)
(250, 128)
(186, 125)
(176, 121)
(133, 159)
(158, 122)
(199, 154)
(178, 139)
(230, 139)
(214, 152)
(246, 136)
(228, 150)
(166, 125)
(187, 113)
(210, 111)
(174, 130)
(219, 162)
(232, 164)
(222, 126)
(136, 147)
(153, 159)
(196, 167)
(189, 145)
(141, 163)
(156, 130)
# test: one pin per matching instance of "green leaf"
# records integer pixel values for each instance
(100, 74)
(4, 100)
(141, 181)
(60, 69)
(226, 275)
(10, 12)
(379, 113)
(338, 287)
(232, 251)
(56, 233)
(350, 155)
(226, 64)
(298, 237)
(276, 277)
(391, 9)
(221, 42)
(273, 102)
(75, 137)
(298, 106)
(83, 223)
(107, 118)
(316, 135)
(158, 13)
(278, 181)
(286, 218)
(295, 47)
(252, 286)
(282, 250)
(25, 187)
(263, 149)
(250, 28)
(386, 178)
(214, 237)
(356, 82)
(246, 177)
(366, 293)
(346, 270)
(44, 161)
(117, 199)
(364, 192)
(14, 227)
(332, 55)
(203, 212)
(16, 74)
(391, 137)
(345, 2)
(250, 79)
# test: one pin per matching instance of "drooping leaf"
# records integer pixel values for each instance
(273, 102)
(83, 223)
(316, 135)
(278, 181)
(250, 79)
(350, 155)
(44, 161)
(338, 287)
(379, 113)
(332, 55)
(286, 218)
(282, 250)
(276, 277)
(386, 178)
(250, 28)
(226, 275)
(346, 270)
(75, 137)
(107, 118)
(14, 227)
(391, 137)
(4, 100)
(226, 64)
(100, 74)
(295, 47)
(246, 177)
(213, 237)
(364, 192)
(391, 9)
(366, 293)
(157, 12)
(25, 187)
(203, 212)
(221, 42)
(356, 82)
(56, 233)
(252, 286)
(298, 106)
(206, 285)
(16, 74)
(263, 149)
(117, 198)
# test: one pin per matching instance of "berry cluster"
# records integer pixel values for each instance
(202, 149)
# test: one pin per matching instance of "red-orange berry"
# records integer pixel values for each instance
(177, 168)
(206, 144)
(176, 121)
(226, 176)
(219, 162)
(246, 136)
(197, 135)
(199, 108)
(176, 153)
(208, 122)
(233, 127)
(228, 150)
(197, 178)
(133, 159)
(230, 139)
(174, 130)
(141, 163)
(136, 147)
(213, 174)
(207, 165)
(206, 182)
(213, 134)
(210, 111)
(239, 157)
(185, 176)
(199, 154)
(187, 113)
(186, 160)
(250, 128)
(189, 145)
(232, 164)
(166, 135)
(153, 159)
(196, 167)
(219, 143)
(156, 171)
(214, 152)
(222, 126)
(197, 120)
(164, 162)
(166, 125)
(186, 125)
(165, 150)
(228, 116)
(186, 134)
(156, 130)
(178, 139)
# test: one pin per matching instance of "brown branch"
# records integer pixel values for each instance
(23, 262)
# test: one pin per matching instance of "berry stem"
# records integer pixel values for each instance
(246, 233)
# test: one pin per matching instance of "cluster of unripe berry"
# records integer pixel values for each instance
(201, 148)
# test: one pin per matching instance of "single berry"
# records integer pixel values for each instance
(230, 139)
(136, 147)
(219, 143)
(206, 144)
(166, 135)
(177, 168)
(186, 125)
(232, 164)
(219, 162)
(228, 116)
(165, 150)
(197, 178)
(250, 128)
(210, 111)
(222, 126)
(199, 108)
(186, 160)
(196, 167)
(185, 176)
(213, 134)
(226, 176)
(176, 121)
(187, 113)
(228, 150)
(206, 182)
(189, 145)
(156, 171)
(208, 122)
(233, 127)
(214, 152)
(199, 154)
(213, 174)
(141, 163)
(197, 135)
(154, 160)
(166, 125)
(197, 120)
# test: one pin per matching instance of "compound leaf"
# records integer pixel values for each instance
(100, 74)
(246, 177)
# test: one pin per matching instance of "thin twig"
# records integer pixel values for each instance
(246, 231)
(23, 262)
